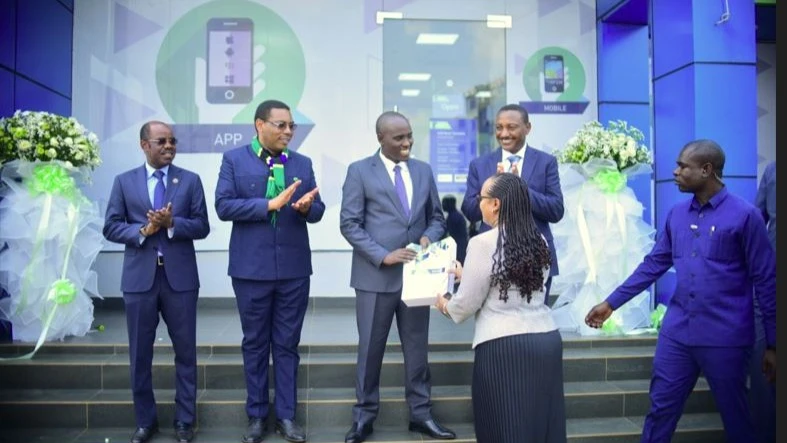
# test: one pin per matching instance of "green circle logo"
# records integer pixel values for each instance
(537, 73)
(270, 60)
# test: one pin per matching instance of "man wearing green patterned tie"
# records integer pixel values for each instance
(270, 194)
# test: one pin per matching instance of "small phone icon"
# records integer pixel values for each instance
(229, 65)
(553, 73)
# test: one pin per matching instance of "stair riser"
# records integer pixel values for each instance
(231, 412)
(316, 375)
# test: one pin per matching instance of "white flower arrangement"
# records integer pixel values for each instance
(618, 142)
(41, 136)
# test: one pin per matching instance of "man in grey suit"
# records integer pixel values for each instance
(388, 202)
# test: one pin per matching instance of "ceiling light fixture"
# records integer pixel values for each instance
(436, 39)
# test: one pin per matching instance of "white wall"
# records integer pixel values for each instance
(118, 49)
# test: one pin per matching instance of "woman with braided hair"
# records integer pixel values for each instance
(517, 383)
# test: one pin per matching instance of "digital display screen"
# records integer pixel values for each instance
(553, 69)
(229, 58)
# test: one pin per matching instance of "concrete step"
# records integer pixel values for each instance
(692, 428)
(84, 345)
(317, 369)
(103, 408)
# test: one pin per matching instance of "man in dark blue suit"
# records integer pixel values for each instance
(536, 168)
(157, 210)
(270, 260)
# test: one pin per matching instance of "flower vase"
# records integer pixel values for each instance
(53, 235)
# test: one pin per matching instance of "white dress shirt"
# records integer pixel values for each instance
(152, 189)
(408, 181)
(507, 164)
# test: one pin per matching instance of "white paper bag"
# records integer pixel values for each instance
(427, 275)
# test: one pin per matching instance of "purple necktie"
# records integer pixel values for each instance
(158, 203)
(400, 191)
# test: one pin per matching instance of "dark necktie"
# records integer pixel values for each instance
(158, 203)
(400, 190)
(159, 190)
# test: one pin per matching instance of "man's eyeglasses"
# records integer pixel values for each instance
(481, 197)
(163, 141)
(282, 125)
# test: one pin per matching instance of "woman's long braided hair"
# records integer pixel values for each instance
(521, 254)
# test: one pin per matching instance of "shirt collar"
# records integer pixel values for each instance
(151, 170)
(521, 153)
(389, 164)
(714, 201)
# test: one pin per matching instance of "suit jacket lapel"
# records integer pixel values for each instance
(420, 187)
(378, 169)
(491, 165)
(141, 183)
(529, 164)
(174, 178)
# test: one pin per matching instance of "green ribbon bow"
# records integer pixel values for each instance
(62, 291)
(52, 179)
(610, 182)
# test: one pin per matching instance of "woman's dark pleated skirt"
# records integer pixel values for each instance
(518, 389)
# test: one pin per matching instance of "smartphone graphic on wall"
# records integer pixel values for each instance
(553, 73)
(229, 62)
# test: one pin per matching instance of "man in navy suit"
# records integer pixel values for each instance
(389, 201)
(270, 260)
(536, 168)
(157, 210)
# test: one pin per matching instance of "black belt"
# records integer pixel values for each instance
(160, 260)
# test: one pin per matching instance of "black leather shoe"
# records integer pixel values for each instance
(358, 433)
(433, 429)
(255, 430)
(143, 434)
(290, 431)
(184, 432)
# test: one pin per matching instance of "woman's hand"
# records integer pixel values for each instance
(441, 303)
(457, 271)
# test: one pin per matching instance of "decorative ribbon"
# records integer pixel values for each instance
(611, 183)
(52, 180)
(612, 325)
(657, 316)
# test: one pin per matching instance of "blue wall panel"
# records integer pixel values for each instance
(33, 97)
(42, 55)
(35, 55)
(726, 97)
(730, 41)
(674, 111)
(687, 32)
(672, 35)
(6, 92)
(7, 32)
(623, 63)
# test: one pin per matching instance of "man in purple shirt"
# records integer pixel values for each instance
(718, 245)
